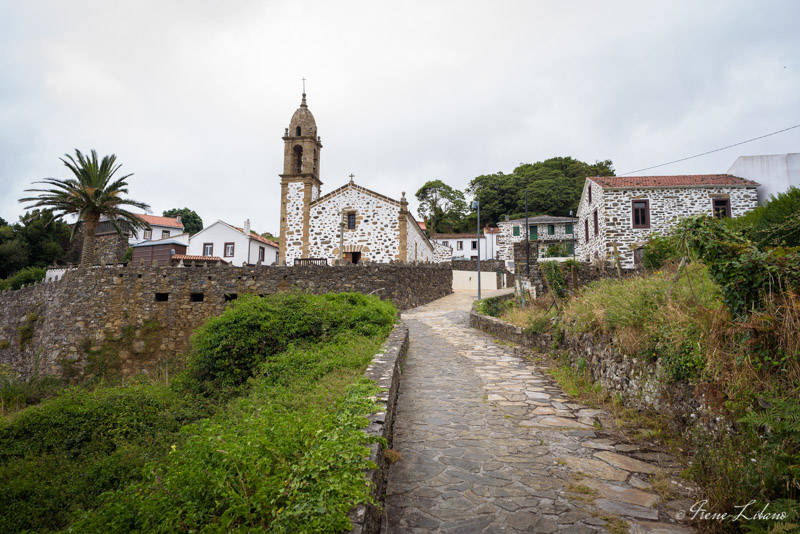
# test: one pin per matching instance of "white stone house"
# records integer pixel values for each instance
(625, 210)
(237, 246)
(352, 222)
(543, 231)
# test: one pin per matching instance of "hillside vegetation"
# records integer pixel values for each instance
(260, 432)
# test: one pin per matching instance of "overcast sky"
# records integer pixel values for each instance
(193, 96)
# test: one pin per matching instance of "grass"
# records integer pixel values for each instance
(280, 449)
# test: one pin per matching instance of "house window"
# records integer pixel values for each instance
(590, 193)
(641, 213)
(568, 228)
(228, 250)
(208, 249)
(459, 245)
(474, 245)
(164, 234)
(351, 221)
(148, 234)
(515, 231)
(551, 229)
(534, 233)
(722, 207)
(261, 253)
(596, 225)
(445, 243)
(586, 228)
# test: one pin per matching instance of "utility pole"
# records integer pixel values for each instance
(477, 206)
(527, 238)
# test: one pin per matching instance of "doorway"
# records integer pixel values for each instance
(352, 257)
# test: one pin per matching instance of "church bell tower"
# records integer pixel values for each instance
(300, 183)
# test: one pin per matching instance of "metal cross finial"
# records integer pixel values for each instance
(351, 177)
(304, 85)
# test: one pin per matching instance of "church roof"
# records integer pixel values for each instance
(360, 189)
(304, 119)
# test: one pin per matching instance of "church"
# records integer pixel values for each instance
(351, 223)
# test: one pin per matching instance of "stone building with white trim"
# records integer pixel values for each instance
(625, 210)
(544, 231)
(352, 222)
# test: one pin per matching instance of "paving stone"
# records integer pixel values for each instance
(629, 510)
(646, 527)
(490, 443)
(627, 463)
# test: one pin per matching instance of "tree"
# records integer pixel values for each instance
(92, 193)
(440, 205)
(554, 188)
(192, 223)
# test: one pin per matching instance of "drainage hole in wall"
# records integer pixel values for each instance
(230, 296)
(196, 297)
(162, 297)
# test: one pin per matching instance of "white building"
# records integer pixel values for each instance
(544, 231)
(351, 222)
(237, 246)
(466, 246)
(776, 173)
(160, 228)
(625, 210)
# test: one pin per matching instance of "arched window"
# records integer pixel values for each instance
(298, 159)
(297, 131)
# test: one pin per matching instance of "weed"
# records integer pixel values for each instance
(392, 456)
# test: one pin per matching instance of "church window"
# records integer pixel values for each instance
(351, 221)
(596, 225)
(298, 159)
(298, 130)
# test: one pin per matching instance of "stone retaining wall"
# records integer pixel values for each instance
(385, 369)
(639, 384)
(88, 306)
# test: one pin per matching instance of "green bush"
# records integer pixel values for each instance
(555, 280)
(23, 277)
(493, 306)
(658, 251)
(57, 458)
(288, 457)
(227, 349)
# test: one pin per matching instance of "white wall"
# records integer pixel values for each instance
(218, 234)
(776, 172)
(469, 280)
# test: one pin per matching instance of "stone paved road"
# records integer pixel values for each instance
(490, 444)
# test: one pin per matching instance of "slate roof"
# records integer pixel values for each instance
(684, 180)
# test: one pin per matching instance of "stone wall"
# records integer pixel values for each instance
(385, 370)
(89, 306)
(441, 253)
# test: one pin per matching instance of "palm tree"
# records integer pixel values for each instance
(92, 193)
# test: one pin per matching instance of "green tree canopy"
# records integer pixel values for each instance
(554, 188)
(92, 192)
(192, 223)
(441, 206)
(37, 240)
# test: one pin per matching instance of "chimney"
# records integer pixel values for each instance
(247, 227)
(178, 218)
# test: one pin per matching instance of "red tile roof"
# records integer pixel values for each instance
(196, 258)
(161, 221)
(455, 236)
(672, 181)
(422, 225)
(259, 238)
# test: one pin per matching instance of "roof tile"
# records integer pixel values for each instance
(672, 181)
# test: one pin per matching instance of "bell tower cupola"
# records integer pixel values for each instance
(300, 183)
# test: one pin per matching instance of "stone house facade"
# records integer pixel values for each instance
(351, 222)
(543, 231)
(623, 211)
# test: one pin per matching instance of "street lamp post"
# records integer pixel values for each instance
(574, 241)
(477, 206)
(528, 239)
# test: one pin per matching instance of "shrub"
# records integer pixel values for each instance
(559, 250)
(227, 349)
(658, 251)
(493, 306)
(554, 278)
(23, 277)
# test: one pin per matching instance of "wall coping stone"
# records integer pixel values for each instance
(385, 370)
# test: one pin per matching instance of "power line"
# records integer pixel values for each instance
(712, 151)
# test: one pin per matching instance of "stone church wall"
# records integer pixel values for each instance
(376, 235)
(418, 248)
(90, 305)
(294, 222)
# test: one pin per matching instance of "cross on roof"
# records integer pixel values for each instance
(351, 177)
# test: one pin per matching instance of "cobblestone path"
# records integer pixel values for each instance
(490, 444)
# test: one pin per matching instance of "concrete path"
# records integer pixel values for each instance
(490, 444)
